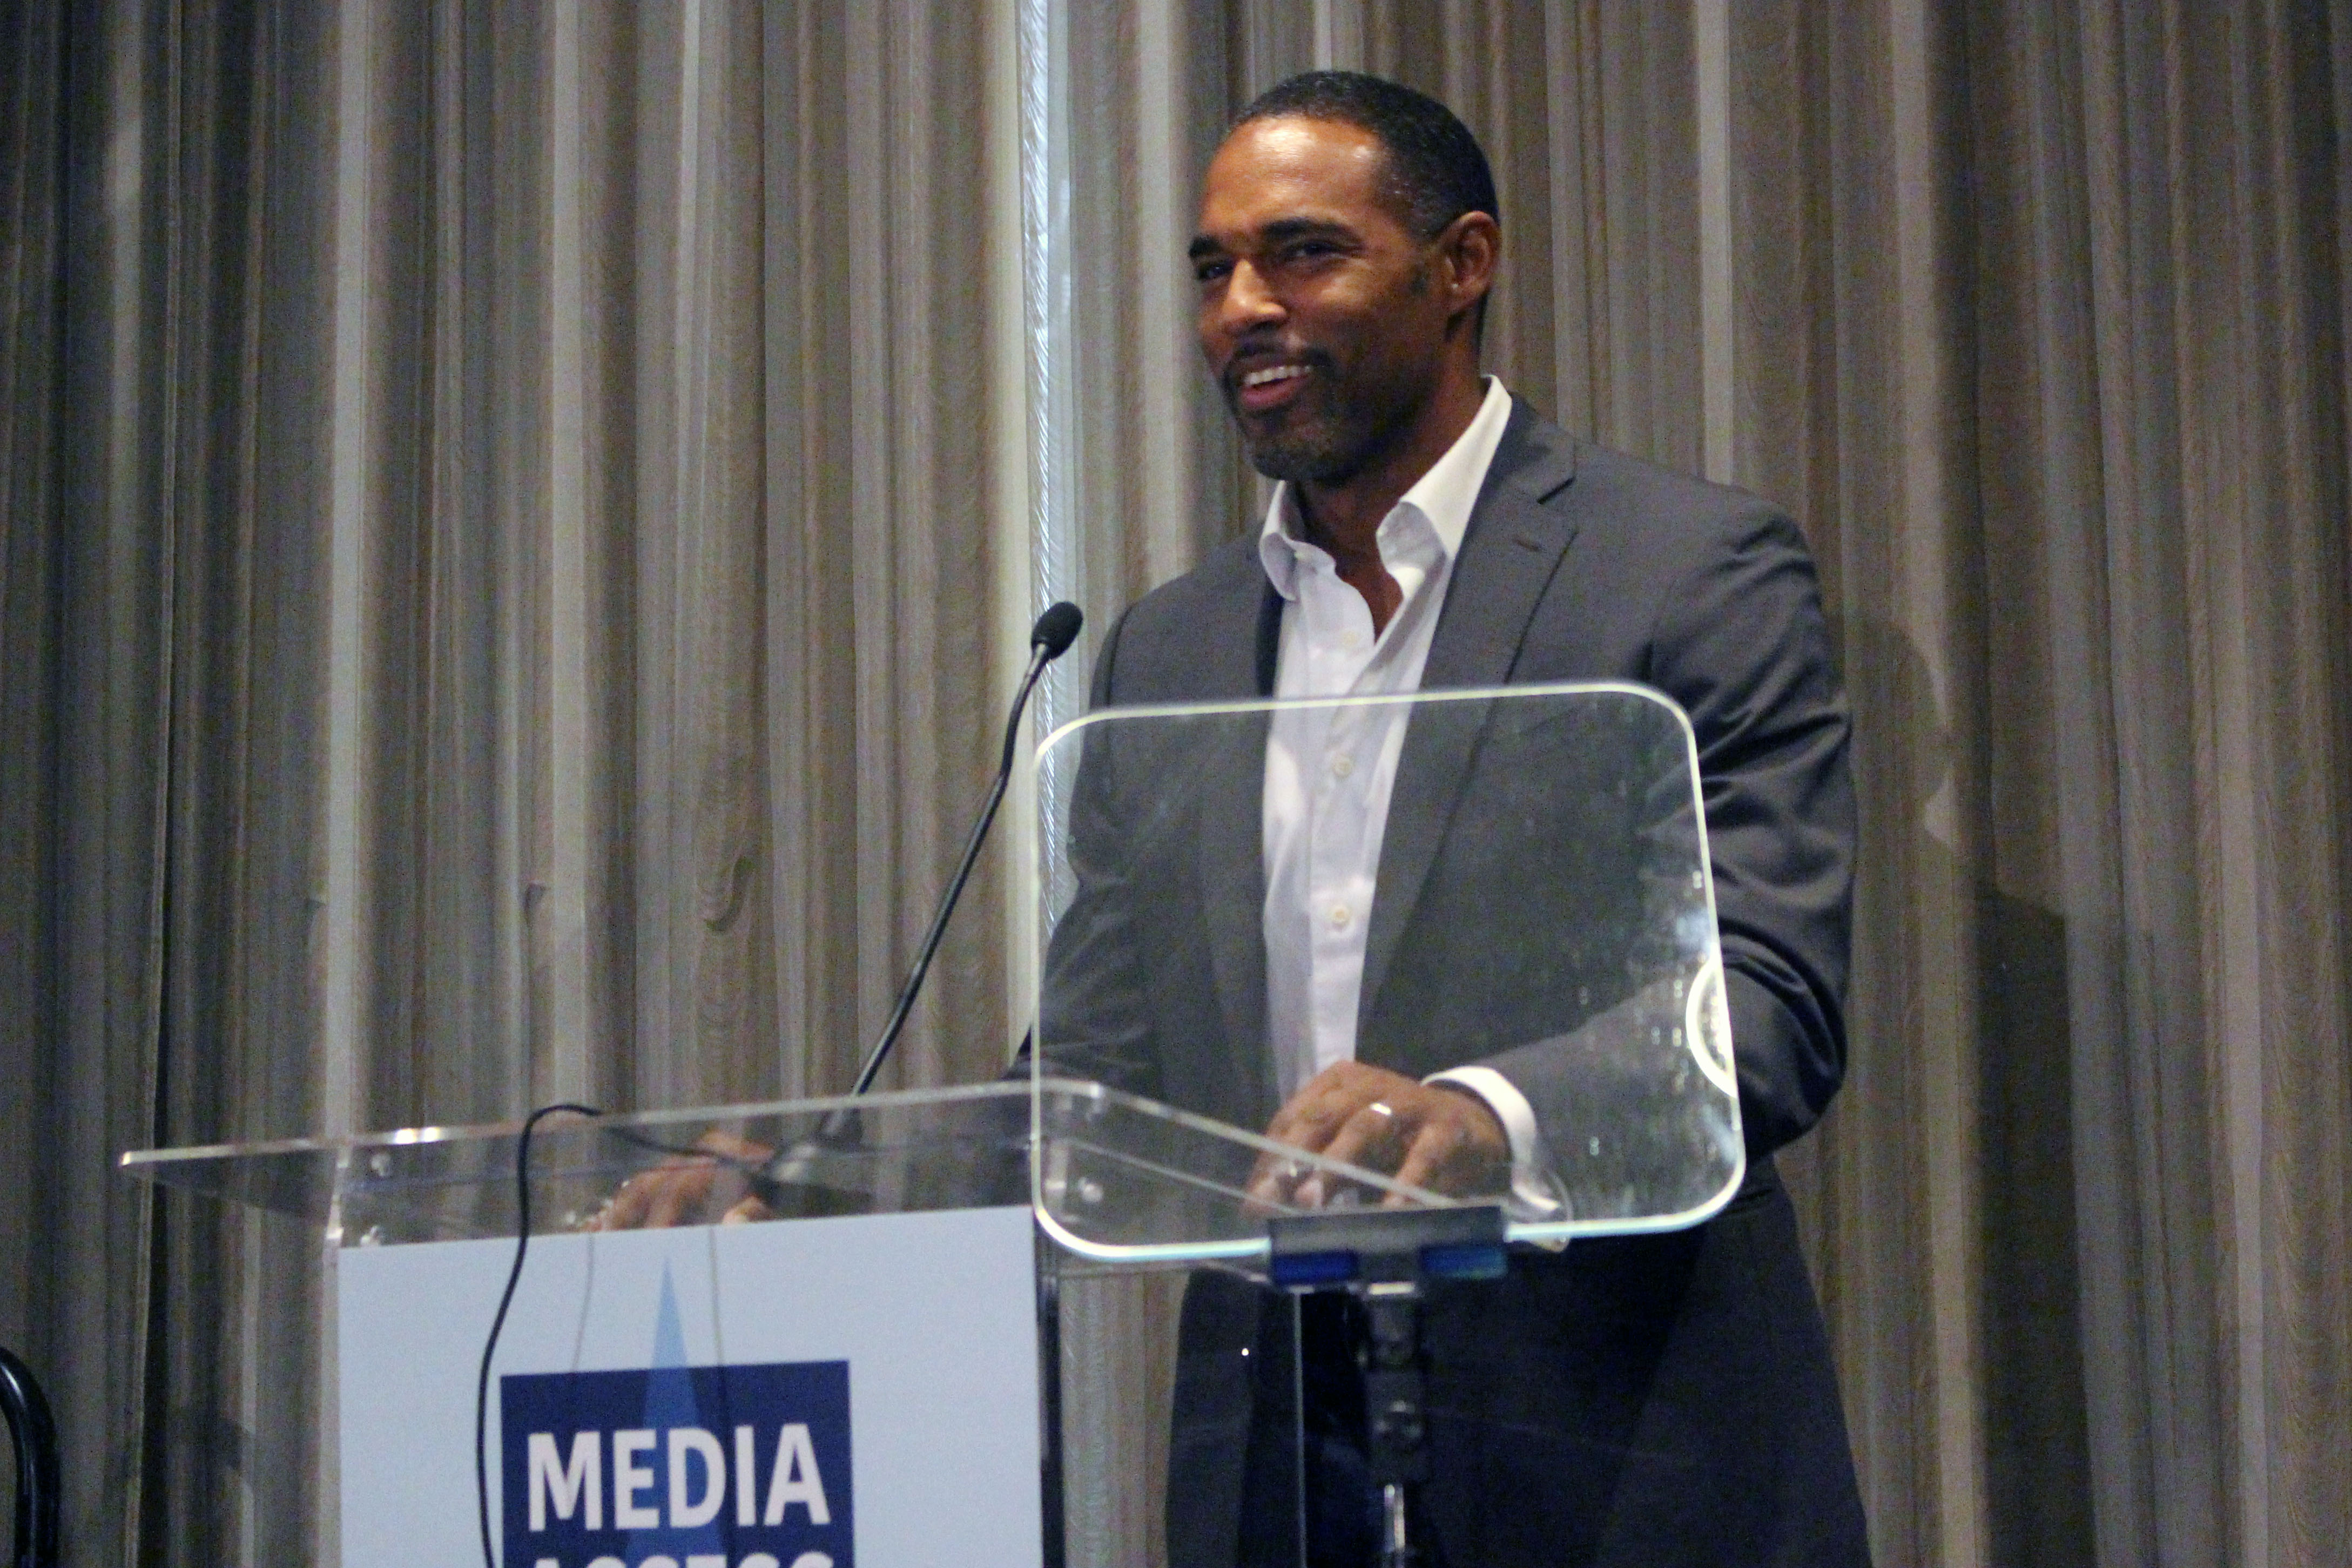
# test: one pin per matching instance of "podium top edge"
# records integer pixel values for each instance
(145, 1161)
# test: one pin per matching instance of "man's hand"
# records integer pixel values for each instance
(1424, 1135)
(684, 1191)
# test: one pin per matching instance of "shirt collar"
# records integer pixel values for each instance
(1444, 497)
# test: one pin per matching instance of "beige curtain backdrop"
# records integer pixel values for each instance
(502, 606)
(2034, 314)
(514, 520)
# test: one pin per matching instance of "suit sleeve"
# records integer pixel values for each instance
(1742, 645)
(1093, 1020)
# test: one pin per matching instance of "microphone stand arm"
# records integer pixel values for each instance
(1050, 639)
(1039, 657)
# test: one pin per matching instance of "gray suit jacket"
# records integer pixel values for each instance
(1577, 564)
(1637, 1399)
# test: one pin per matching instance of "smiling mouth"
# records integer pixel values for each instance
(1270, 386)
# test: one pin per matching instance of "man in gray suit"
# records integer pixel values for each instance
(1651, 1399)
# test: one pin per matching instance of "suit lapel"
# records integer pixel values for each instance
(1230, 655)
(1238, 664)
(1509, 555)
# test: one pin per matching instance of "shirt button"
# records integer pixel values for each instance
(1342, 765)
(1351, 638)
(1340, 918)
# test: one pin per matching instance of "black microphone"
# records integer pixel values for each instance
(1051, 636)
(796, 1167)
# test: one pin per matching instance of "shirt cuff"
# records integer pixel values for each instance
(1533, 1193)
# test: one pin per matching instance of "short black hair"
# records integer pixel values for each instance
(1436, 172)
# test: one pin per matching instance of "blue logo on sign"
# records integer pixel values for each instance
(677, 1467)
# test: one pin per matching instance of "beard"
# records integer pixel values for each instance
(1326, 436)
(1326, 452)
(1326, 447)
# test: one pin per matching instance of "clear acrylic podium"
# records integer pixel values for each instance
(1103, 1326)
(1545, 917)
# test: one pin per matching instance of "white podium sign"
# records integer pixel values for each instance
(803, 1394)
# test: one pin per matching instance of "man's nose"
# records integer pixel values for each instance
(1245, 301)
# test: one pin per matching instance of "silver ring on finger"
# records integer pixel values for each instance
(1381, 1108)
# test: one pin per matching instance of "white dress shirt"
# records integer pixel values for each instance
(1329, 771)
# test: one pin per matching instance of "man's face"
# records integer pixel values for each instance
(1322, 316)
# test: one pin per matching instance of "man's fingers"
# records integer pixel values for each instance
(1368, 1137)
(1310, 1120)
(1448, 1155)
(683, 1188)
(1266, 1182)
(1371, 1118)
(1435, 1147)
(1315, 1116)
(675, 1190)
(748, 1211)
(668, 1194)
(621, 1210)
(633, 1201)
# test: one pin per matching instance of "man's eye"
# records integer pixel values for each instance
(1309, 250)
(1211, 271)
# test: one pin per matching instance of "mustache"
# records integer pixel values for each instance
(1254, 353)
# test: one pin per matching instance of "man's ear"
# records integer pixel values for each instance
(1470, 247)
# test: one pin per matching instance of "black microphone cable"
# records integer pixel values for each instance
(499, 1324)
(749, 1169)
